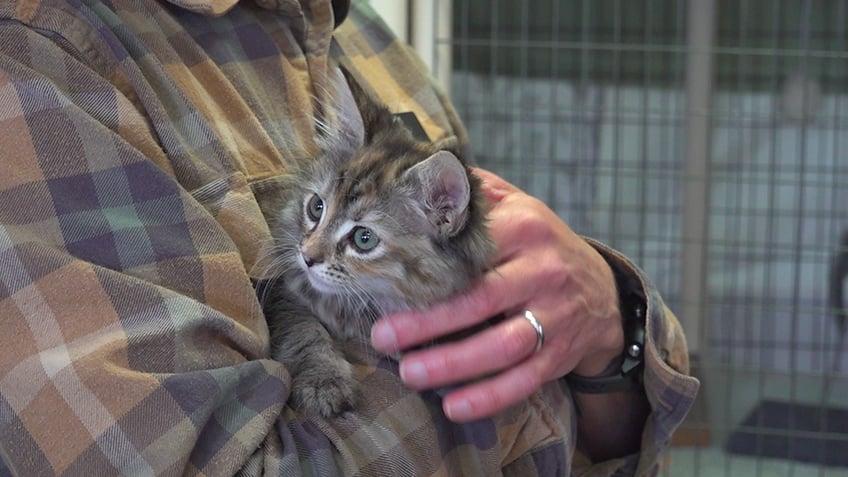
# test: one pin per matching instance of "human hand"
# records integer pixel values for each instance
(543, 266)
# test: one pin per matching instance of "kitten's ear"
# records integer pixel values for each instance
(349, 129)
(442, 191)
(375, 116)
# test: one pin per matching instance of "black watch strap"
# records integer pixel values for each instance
(628, 377)
(629, 374)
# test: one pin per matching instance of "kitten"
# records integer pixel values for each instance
(381, 222)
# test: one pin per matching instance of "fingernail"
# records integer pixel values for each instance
(458, 410)
(413, 373)
(383, 337)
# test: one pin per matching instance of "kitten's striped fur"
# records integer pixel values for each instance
(380, 223)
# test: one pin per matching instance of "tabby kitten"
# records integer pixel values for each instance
(381, 222)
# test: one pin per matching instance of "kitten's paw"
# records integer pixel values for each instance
(325, 393)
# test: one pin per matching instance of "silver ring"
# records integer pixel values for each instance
(540, 332)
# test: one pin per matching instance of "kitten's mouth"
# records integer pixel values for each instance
(321, 284)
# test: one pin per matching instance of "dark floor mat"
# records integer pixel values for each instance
(793, 431)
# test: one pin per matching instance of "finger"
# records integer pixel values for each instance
(493, 181)
(494, 187)
(494, 294)
(493, 349)
(495, 394)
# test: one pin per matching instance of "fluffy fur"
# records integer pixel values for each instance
(379, 223)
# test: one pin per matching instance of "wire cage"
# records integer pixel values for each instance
(708, 141)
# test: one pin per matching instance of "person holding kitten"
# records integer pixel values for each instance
(142, 141)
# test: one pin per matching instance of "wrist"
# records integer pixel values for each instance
(618, 366)
(606, 361)
(606, 351)
(624, 372)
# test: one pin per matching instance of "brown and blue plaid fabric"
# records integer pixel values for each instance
(135, 136)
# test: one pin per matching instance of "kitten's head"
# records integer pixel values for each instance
(384, 223)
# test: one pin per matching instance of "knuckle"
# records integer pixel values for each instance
(513, 342)
(552, 268)
(483, 300)
(530, 382)
(522, 385)
(491, 398)
(508, 389)
(532, 371)
(531, 220)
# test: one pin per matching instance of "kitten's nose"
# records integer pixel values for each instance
(309, 260)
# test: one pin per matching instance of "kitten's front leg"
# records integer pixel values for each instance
(322, 379)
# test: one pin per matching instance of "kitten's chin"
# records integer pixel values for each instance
(322, 286)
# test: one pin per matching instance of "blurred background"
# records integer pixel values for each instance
(708, 141)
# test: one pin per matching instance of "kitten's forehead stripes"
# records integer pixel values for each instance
(370, 173)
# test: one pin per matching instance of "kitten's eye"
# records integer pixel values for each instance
(315, 208)
(364, 239)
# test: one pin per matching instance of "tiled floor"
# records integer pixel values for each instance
(714, 462)
(728, 395)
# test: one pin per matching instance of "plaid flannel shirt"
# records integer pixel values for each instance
(135, 138)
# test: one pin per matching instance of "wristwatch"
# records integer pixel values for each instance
(628, 376)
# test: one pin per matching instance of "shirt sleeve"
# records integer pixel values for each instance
(670, 390)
